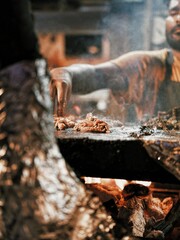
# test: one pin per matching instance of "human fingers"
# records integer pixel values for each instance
(60, 89)
(62, 98)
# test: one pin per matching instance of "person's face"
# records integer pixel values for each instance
(173, 25)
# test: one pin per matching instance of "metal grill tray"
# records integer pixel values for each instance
(117, 154)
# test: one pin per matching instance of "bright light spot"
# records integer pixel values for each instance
(145, 183)
(3, 151)
(1, 91)
(89, 180)
(3, 167)
(102, 105)
(121, 183)
(93, 49)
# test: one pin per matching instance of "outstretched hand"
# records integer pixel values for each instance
(60, 90)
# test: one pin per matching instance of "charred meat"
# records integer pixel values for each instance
(62, 123)
(165, 120)
(92, 124)
(89, 124)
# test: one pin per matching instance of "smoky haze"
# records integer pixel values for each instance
(102, 31)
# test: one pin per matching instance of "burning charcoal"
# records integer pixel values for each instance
(166, 205)
(133, 200)
(133, 189)
(170, 220)
(134, 209)
(106, 192)
(154, 208)
(156, 234)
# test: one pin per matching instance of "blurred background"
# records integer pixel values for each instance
(93, 31)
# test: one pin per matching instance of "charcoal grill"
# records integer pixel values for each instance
(126, 154)
(119, 154)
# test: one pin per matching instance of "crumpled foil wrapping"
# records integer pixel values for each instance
(40, 197)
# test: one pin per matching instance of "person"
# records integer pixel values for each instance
(147, 80)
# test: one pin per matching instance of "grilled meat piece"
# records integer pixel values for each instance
(62, 123)
(92, 124)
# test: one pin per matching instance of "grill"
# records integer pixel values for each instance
(120, 155)
(125, 153)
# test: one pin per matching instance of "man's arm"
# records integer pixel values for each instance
(88, 78)
(85, 78)
(115, 74)
(132, 72)
(80, 79)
